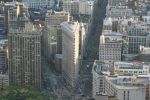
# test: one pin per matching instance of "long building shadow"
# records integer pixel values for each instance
(95, 30)
(91, 50)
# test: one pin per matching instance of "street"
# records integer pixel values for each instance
(54, 83)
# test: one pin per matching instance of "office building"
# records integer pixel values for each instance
(117, 2)
(122, 87)
(16, 15)
(3, 56)
(2, 7)
(86, 7)
(119, 11)
(105, 97)
(2, 24)
(137, 35)
(24, 60)
(70, 52)
(37, 4)
(2, 19)
(118, 24)
(53, 20)
(131, 68)
(144, 54)
(110, 47)
(71, 6)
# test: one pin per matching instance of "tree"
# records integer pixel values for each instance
(23, 93)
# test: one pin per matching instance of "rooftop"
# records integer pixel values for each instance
(111, 37)
(29, 28)
(15, 3)
(60, 13)
(100, 68)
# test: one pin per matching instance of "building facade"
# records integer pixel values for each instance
(54, 18)
(119, 86)
(144, 54)
(117, 2)
(86, 7)
(4, 81)
(16, 15)
(110, 48)
(2, 24)
(132, 68)
(24, 60)
(3, 56)
(71, 6)
(119, 11)
(53, 21)
(39, 3)
(70, 52)
(137, 36)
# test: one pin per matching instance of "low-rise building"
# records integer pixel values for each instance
(86, 7)
(121, 87)
(132, 68)
(105, 97)
(54, 18)
(117, 2)
(39, 3)
(119, 11)
(71, 6)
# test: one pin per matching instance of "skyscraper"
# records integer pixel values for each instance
(24, 46)
(70, 52)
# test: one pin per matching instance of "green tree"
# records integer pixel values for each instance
(23, 93)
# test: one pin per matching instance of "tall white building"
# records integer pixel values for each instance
(39, 3)
(70, 52)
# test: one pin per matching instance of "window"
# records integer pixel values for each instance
(124, 95)
(128, 95)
